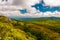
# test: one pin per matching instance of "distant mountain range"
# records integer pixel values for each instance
(41, 18)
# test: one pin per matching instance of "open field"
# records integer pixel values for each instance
(11, 29)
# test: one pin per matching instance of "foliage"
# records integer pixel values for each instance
(11, 29)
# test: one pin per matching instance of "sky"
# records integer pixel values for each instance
(31, 8)
(43, 8)
(40, 6)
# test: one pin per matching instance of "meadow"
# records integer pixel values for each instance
(34, 29)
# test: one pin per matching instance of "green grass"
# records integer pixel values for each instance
(50, 24)
(11, 29)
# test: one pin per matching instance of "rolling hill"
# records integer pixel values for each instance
(11, 29)
(37, 19)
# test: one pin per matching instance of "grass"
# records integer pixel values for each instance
(11, 29)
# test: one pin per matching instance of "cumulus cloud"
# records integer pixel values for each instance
(32, 12)
(28, 3)
(9, 8)
(10, 13)
(13, 9)
(41, 14)
(52, 2)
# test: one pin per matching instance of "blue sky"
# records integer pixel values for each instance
(31, 8)
(43, 8)
(23, 11)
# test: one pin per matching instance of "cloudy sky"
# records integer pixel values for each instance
(33, 8)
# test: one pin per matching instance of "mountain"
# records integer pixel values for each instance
(11, 29)
(41, 18)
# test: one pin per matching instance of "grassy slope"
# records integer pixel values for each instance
(9, 32)
(33, 30)
(41, 31)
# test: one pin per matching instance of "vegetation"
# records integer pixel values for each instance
(11, 29)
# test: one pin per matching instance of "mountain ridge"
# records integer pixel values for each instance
(41, 18)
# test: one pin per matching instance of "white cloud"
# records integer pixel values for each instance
(13, 10)
(52, 2)
(41, 14)
(28, 3)
(10, 13)
(31, 2)
(32, 12)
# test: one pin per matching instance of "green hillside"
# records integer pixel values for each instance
(11, 29)
(9, 32)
